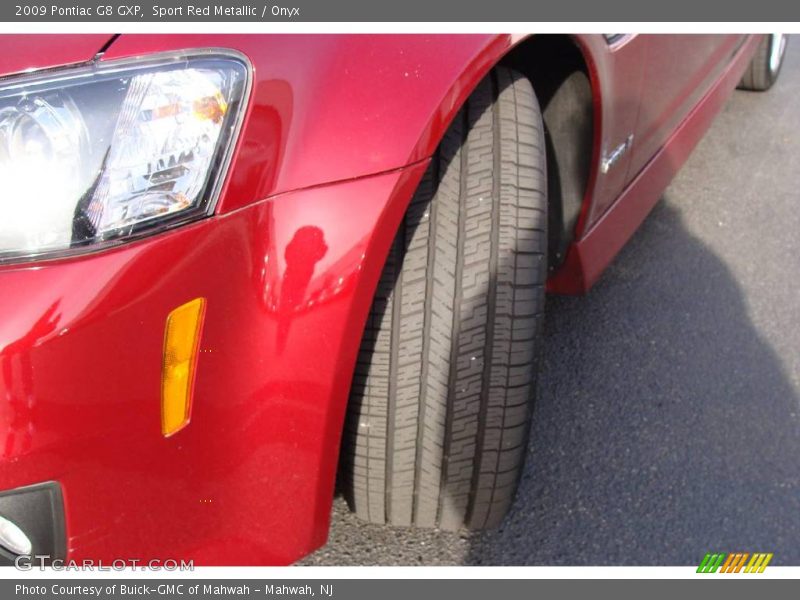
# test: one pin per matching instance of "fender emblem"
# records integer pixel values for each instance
(609, 160)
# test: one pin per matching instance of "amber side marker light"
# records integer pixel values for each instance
(181, 345)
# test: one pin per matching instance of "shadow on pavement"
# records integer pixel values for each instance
(665, 425)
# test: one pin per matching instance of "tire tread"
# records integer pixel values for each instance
(437, 428)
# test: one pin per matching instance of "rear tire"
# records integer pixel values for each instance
(439, 416)
(766, 64)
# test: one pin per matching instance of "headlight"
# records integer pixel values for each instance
(107, 152)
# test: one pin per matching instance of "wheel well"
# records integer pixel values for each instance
(560, 77)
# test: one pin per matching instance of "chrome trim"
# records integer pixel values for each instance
(616, 41)
(609, 160)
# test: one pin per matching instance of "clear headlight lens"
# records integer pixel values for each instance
(105, 153)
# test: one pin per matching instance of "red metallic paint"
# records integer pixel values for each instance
(29, 52)
(250, 480)
(337, 136)
(615, 73)
(593, 252)
(681, 69)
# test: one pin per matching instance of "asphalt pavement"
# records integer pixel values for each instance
(668, 418)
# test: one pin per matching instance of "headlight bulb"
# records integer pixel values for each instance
(41, 143)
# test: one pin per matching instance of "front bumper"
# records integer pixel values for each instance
(288, 283)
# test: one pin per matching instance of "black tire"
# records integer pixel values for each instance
(438, 422)
(766, 64)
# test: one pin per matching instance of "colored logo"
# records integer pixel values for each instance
(735, 562)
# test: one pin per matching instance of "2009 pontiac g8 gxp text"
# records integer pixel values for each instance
(233, 266)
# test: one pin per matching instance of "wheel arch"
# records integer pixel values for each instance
(528, 55)
(573, 153)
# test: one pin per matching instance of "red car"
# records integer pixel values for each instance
(224, 258)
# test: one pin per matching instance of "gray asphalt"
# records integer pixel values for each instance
(667, 420)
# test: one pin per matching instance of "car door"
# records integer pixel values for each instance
(678, 70)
